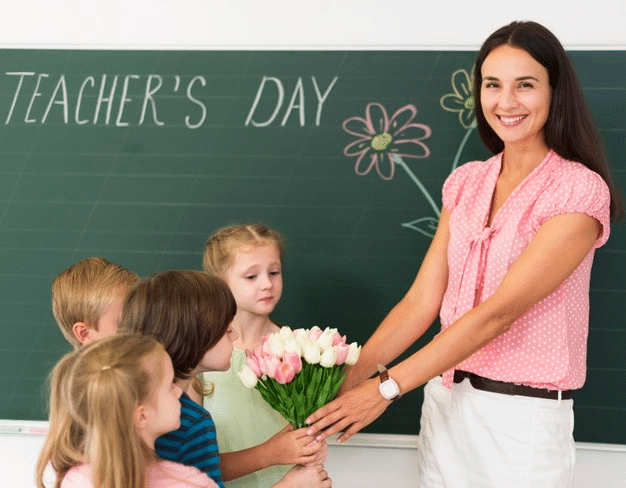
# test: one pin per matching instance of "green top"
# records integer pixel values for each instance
(242, 420)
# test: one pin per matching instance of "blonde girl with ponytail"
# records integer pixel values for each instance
(109, 402)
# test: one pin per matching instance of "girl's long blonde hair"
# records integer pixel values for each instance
(94, 392)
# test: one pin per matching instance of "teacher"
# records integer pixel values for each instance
(508, 272)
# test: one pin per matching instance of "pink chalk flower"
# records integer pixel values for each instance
(380, 137)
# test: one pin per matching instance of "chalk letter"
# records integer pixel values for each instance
(60, 84)
(196, 101)
(80, 99)
(281, 95)
(321, 99)
(119, 122)
(107, 100)
(21, 74)
(148, 96)
(32, 99)
(298, 90)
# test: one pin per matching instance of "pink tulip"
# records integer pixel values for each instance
(294, 360)
(253, 361)
(268, 364)
(265, 347)
(342, 353)
(337, 339)
(284, 373)
(314, 333)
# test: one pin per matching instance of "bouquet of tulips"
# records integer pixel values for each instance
(299, 371)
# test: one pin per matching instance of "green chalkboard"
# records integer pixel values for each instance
(139, 155)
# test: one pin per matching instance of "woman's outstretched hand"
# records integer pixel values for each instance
(349, 412)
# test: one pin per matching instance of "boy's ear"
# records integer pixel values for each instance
(82, 332)
(140, 417)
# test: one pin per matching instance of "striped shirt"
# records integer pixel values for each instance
(194, 443)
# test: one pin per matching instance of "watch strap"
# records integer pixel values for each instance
(384, 375)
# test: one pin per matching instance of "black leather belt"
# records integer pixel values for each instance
(485, 384)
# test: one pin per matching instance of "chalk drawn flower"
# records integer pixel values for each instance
(462, 100)
(380, 137)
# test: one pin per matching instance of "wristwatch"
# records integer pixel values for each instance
(388, 386)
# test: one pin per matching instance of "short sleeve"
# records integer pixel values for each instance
(452, 187)
(583, 191)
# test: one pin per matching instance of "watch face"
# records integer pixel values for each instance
(389, 389)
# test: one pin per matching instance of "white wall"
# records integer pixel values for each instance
(371, 24)
(285, 24)
(365, 460)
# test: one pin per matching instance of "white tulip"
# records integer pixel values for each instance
(311, 353)
(276, 343)
(300, 334)
(292, 345)
(354, 350)
(302, 339)
(247, 377)
(326, 339)
(329, 357)
(286, 333)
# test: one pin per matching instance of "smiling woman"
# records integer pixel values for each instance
(508, 272)
(515, 97)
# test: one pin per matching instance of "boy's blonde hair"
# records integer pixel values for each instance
(221, 247)
(94, 392)
(84, 291)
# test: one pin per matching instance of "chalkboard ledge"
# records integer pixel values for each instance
(23, 427)
(395, 441)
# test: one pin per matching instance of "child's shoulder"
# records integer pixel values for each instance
(77, 477)
(161, 475)
(191, 409)
(195, 419)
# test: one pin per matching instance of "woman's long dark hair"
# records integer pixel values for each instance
(570, 130)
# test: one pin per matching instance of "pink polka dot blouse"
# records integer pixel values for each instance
(547, 346)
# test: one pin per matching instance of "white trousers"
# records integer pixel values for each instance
(476, 439)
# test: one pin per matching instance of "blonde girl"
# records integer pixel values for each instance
(249, 259)
(109, 402)
(190, 313)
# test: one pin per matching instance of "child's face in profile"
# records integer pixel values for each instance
(162, 410)
(218, 357)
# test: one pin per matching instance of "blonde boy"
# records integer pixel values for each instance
(87, 299)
